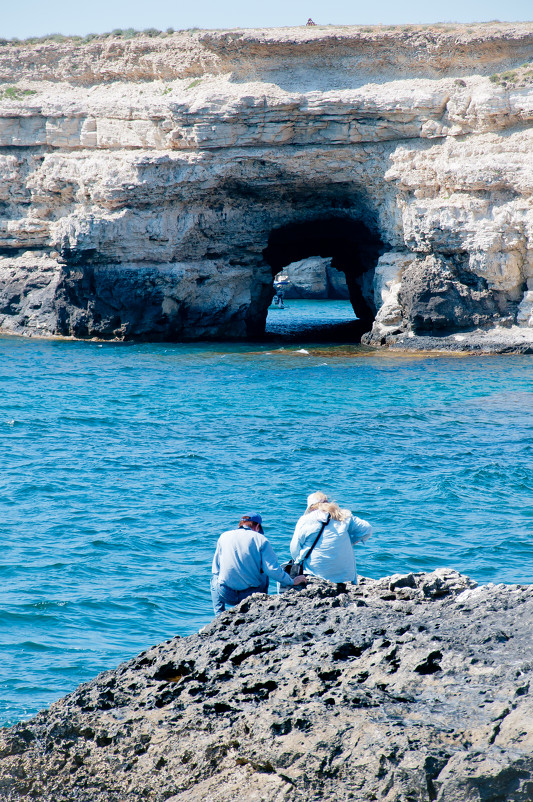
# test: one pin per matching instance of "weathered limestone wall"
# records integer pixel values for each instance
(141, 181)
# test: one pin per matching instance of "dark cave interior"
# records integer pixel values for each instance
(353, 247)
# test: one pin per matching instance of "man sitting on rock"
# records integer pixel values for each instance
(243, 562)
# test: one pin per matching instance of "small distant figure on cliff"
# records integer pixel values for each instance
(243, 563)
(332, 558)
(310, 22)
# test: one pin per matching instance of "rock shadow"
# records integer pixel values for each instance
(354, 249)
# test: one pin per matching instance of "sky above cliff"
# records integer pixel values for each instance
(37, 18)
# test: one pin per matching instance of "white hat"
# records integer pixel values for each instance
(316, 498)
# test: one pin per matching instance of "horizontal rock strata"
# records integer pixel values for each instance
(413, 687)
(150, 188)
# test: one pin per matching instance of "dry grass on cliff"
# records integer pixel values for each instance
(467, 31)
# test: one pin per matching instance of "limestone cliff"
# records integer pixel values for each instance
(413, 687)
(150, 188)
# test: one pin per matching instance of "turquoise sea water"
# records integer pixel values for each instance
(121, 464)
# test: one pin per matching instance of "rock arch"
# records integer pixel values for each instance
(354, 247)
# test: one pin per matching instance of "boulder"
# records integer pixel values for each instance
(436, 295)
(414, 686)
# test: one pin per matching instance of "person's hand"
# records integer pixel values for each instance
(300, 580)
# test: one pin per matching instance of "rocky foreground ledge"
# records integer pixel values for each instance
(408, 688)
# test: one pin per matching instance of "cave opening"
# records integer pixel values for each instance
(354, 249)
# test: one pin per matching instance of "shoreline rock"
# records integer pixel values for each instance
(499, 340)
(412, 687)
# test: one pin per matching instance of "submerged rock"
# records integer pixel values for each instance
(413, 687)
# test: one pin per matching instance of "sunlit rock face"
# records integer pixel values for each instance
(150, 188)
(312, 278)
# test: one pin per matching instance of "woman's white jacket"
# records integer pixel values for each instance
(333, 557)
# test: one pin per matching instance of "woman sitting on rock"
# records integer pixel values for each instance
(332, 557)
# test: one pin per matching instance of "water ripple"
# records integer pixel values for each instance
(122, 463)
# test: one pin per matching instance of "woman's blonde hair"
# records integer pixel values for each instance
(319, 501)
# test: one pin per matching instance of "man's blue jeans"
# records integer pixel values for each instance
(222, 595)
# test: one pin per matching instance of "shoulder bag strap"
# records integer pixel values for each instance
(317, 538)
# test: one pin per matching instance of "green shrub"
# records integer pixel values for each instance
(514, 79)
(14, 93)
(194, 83)
(123, 33)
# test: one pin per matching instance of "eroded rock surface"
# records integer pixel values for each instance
(150, 188)
(313, 278)
(413, 687)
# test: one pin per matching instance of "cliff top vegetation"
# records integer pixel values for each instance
(466, 30)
